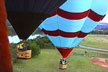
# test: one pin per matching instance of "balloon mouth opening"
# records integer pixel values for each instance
(65, 52)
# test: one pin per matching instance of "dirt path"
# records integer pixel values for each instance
(102, 62)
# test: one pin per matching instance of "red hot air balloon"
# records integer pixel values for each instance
(5, 59)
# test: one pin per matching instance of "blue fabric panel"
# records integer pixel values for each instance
(59, 41)
(76, 5)
(55, 40)
(77, 42)
(89, 25)
(70, 25)
(50, 23)
(57, 22)
(100, 6)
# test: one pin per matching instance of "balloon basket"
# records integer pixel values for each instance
(62, 66)
(24, 54)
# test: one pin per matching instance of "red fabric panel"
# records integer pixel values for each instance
(5, 59)
(65, 51)
(72, 16)
(78, 34)
(76, 16)
(94, 16)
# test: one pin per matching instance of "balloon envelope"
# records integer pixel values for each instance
(72, 22)
(64, 27)
(26, 15)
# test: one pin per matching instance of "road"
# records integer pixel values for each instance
(91, 48)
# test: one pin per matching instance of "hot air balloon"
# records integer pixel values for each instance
(26, 15)
(72, 22)
(5, 56)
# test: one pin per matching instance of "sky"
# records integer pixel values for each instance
(105, 20)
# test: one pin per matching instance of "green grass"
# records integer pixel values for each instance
(96, 41)
(48, 61)
(78, 61)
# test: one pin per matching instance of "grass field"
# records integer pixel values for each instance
(99, 41)
(78, 61)
(48, 61)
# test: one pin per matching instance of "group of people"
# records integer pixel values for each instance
(63, 61)
(21, 46)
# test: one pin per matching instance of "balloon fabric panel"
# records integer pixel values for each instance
(76, 6)
(63, 42)
(35, 6)
(26, 15)
(65, 52)
(91, 23)
(5, 56)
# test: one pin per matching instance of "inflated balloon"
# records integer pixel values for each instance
(5, 56)
(72, 22)
(26, 15)
(64, 28)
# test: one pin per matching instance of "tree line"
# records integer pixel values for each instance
(102, 32)
(35, 45)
